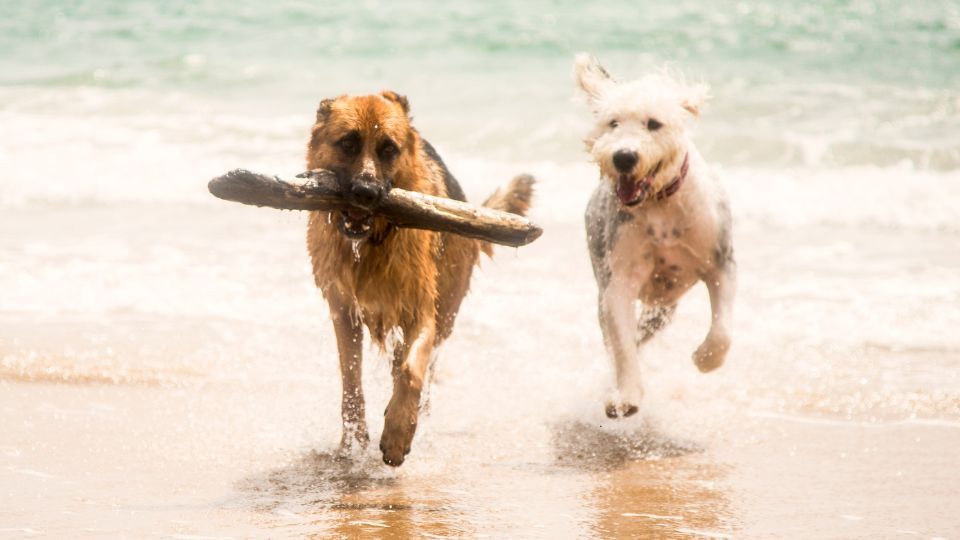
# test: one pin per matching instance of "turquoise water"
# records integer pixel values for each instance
(823, 83)
(143, 43)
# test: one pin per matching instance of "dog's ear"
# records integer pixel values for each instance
(694, 96)
(323, 111)
(591, 77)
(398, 99)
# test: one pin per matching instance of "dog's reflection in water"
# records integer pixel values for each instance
(326, 495)
(315, 479)
(583, 445)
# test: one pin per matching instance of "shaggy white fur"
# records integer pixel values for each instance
(657, 223)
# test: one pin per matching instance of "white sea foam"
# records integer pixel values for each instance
(106, 148)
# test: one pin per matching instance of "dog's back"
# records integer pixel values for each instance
(457, 255)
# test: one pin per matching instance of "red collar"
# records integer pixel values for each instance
(674, 184)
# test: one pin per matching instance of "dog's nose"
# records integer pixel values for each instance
(624, 160)
(366, 194)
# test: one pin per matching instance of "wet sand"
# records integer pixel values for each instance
(168, 371)
(145, 462)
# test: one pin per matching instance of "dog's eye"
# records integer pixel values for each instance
(388, 150)
(350, 144)
(614, 124)
(653, 124)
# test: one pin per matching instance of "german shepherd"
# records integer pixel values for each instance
(401, 282)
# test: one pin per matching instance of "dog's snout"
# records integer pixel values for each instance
(365, 193)
(625, 160)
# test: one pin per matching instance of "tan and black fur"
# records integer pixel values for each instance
(392, 280)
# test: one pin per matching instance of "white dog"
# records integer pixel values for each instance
(657, 223)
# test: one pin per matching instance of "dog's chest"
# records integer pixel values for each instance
(657, 251)
(639, 238)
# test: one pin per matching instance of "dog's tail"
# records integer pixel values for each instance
(515, 198)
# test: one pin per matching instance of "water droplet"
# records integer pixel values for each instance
(356, 250)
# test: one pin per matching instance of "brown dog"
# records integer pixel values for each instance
(403, 282)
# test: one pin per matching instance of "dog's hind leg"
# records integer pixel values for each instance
(652, 320)
(618, 321)
(403, 410)
(349, 330)
(428, 383)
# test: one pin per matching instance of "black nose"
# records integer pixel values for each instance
(624, 160)
(366, 194)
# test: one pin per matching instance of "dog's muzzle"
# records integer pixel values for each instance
(625, 160)
(367, 194)
(364, 193)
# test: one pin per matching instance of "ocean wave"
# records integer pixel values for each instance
(89, 368)
(89, 146)
(876, 197)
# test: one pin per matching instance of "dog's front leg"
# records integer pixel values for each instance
(618, 321)
(722, 285)
(347, 325)
(409, 370)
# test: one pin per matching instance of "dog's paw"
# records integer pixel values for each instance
(399, 426)
(618, 410)
(396, 440)
(711, 353)
(625, 400)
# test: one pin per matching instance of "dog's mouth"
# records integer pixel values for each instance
(632, 190)
(355, 224)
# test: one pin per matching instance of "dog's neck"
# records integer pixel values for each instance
(379, 237)
(674, 185)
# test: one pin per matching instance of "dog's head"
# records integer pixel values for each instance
(639, 140)
(365, 140)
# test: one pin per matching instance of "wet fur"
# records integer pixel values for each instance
(401, 280)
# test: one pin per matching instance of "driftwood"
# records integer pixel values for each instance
(319, 191)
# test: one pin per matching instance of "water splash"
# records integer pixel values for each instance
(394, 338)
(355, 246)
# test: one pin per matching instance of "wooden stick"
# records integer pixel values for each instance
(320, 191)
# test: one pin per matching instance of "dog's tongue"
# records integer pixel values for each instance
(356, 215)
(631, 192)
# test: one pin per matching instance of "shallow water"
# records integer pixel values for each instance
(168, 369)
(182, 383)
